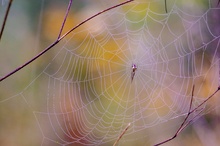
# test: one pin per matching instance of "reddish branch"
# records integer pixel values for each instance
(5, 18)
(62, 37)
(186, 122)
(123, 132)
(64, 20)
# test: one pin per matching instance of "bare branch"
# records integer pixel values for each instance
(60, 38)
(64, 20)
(165, 5)
(205, 100)
(123, 132)
(5, 18)
(110, 8)
(185, 123)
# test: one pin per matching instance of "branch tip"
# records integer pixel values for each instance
(61, 37)
(123, 132)
(5, 18)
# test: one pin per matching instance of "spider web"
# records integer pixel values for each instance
(81, 93)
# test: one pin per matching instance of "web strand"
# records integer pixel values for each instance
(123, 76)
(60, 38)
(186, 120)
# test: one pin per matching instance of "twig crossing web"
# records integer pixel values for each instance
(126, 69)
(191, 111)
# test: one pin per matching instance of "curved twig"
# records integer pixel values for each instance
(5, 18)
(186, 122)
(123, 132)
(62, 37)
(165, 1)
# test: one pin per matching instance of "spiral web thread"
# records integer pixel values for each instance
(87, 96)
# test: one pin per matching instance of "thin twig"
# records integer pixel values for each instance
(205, 100)
(60, 38)
(165, 5)
(64, 20)
(185, 123)
(5, 18)
(123, 132)
(113, 7)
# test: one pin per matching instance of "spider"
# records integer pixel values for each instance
(134, 68)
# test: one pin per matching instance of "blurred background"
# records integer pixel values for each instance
(81, 93)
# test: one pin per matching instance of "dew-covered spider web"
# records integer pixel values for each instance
(86, 91)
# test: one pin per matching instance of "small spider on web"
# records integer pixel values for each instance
(197, 111)
(134, 68)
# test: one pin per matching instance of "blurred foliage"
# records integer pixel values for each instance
(87, 62)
